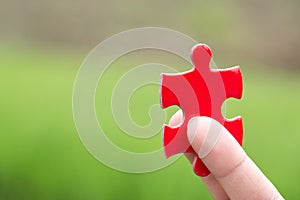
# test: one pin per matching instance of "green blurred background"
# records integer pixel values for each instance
(43, 44)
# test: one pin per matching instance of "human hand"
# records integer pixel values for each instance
(233, 174)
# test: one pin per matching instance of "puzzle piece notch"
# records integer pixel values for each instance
(199, 92)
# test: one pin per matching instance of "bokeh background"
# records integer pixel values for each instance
(43, 44)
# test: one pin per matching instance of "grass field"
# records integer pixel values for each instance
(42, 157)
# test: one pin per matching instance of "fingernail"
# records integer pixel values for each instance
(192, 128)
(210, 130)
(214, 131)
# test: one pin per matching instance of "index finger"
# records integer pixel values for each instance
(228, 162)
(209, 181)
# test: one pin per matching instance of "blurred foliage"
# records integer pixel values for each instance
(41, 156)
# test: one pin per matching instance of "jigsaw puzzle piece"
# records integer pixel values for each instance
(235, 127)
(174, 142)
(199, 167)
(201, 56)
(232, 81)
(199, 92)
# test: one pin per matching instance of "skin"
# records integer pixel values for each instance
(238, 177)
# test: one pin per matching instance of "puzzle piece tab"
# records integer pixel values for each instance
(200, 92)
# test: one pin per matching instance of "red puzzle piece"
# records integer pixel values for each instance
(199, 92)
